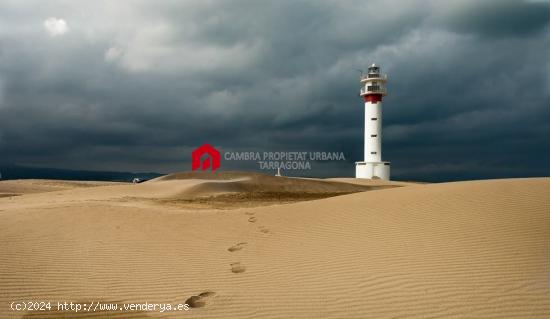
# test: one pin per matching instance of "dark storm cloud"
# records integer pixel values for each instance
(137, 85)
(498, 17)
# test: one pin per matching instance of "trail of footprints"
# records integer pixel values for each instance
(202, 299)
(236, 247)
(237, 267)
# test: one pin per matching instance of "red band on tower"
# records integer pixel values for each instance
(373, 98)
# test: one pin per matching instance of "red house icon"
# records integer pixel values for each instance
(212, 159)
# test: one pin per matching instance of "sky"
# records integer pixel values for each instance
(137, 85)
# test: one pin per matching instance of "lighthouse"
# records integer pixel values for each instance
(373, 89)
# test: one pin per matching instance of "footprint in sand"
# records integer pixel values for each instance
(200, 300)
(253, 219)
(237, 268)
(264, 230)
(236, 247)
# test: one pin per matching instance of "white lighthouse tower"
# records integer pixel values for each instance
(373, 89)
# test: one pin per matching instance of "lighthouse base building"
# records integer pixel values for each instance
(372, 170)
(373, 89)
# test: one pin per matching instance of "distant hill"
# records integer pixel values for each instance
(10, 171)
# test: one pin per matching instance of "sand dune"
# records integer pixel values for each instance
(455, 250)
(255, 182)
(245, 189)
(228, 190)
(372, 182)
